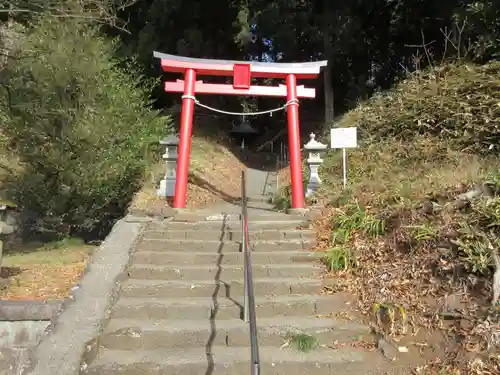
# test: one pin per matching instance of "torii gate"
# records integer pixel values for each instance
(242, 73)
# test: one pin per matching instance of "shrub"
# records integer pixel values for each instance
(479, 232)
(81, 125)
(458, 103)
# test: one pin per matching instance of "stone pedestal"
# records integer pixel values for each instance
(6, 227)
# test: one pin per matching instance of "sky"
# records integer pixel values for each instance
(271, 56)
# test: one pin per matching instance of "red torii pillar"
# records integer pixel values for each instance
(242, 73)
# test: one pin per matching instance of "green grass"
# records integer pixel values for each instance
(303, 342)
(339, 258)
(423, 232)
(354, 218)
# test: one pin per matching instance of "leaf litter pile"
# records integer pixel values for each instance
(417, 262)
(43, 272)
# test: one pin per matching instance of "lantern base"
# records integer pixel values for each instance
(166, 189)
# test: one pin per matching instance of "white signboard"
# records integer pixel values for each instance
(344, 137)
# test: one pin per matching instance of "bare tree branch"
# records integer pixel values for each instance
(99, 11)
(458, 45)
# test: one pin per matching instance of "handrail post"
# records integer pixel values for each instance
(246, 317)
(256, 369)
(244, 249)
(248, 296)
(245, 276)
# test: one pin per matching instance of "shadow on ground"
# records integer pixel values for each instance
(204, 184)
(6, 275)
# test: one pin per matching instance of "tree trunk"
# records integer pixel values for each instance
(328, 54)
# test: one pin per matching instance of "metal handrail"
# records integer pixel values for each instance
(249, 300)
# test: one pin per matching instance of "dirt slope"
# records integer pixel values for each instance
(214, 176)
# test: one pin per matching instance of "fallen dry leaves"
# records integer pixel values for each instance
(421, 282)
(284, 176)
(41, 282)
(220, 180)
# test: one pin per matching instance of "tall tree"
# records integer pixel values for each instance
(328, 51)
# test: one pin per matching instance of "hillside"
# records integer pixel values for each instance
(214, 176)
(412, 237)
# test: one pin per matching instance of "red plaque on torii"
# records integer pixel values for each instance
(242, 73)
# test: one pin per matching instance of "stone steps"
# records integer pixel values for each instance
(218, 235)
(126, 334)
(205, 272)
(223, 360)
(268, 286)
(178, 258)
(233, 225)
(147, 244)
(225, 308)
(180, 307)
(257, 211)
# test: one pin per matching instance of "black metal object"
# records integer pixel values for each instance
(249, 298)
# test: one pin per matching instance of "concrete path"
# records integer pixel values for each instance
(260, 182)
(261, 186)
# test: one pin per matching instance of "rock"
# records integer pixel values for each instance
(457, 205)
(387, 349)
(488, 191)
(427, 208)
(478, 191)
(6, 228)
(454, 302)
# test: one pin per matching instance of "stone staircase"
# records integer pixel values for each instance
(179, 311)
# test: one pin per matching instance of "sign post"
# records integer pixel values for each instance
(344, 166)
(344, 138)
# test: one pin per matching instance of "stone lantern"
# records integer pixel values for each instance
(167, 183)
(314, 161)
(243, 131)
(7, 223)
